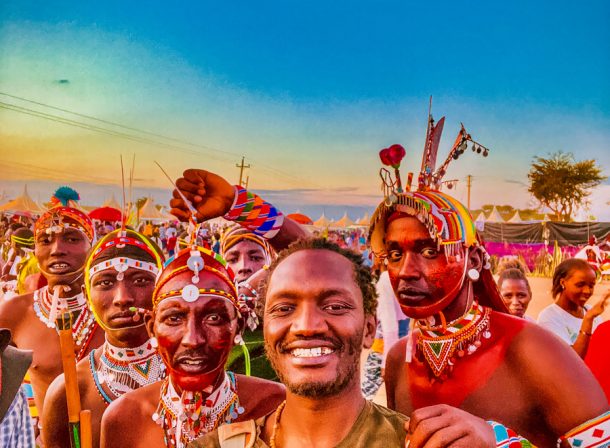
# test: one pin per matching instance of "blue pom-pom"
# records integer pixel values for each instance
(66, 194)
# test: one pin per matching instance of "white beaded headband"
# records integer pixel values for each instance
(121, 264)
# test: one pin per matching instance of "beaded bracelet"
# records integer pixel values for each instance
(507, 438)
(253, 213)
(592, 433)
(249, 287)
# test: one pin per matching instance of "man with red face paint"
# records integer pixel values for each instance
(120, 277)
(63, 237)
(464, 350)
(195, 322)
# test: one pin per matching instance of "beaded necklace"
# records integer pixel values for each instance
(441, 344)
(125, 369)
(84, 324)
(184, 418)
(276, 424)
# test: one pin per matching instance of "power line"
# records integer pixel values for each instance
(112, 123)
(132, 137)
(99, 129)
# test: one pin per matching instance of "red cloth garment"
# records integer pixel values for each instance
(598, 358)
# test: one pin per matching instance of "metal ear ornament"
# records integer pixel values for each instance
(473, 274)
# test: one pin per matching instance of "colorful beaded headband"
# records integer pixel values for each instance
(237, 234)
(52, 221)
(190, 293)
(119, 239)
(27, 242)
(195, 259)
(447, 220)
(121, 264)
(122, 241)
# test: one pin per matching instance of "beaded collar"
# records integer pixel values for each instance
(441, 345)
(125, 369)
(187, 417)
(47, 309)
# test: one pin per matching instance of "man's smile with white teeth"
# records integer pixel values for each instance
(192, 362)
(311, 352)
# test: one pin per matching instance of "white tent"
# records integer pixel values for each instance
(148, 211)
(322, 221)
(112, 202)
(364, 221)
(515, 218)
(480, 217)
(495, 216)
(345, 221)
(23, 203)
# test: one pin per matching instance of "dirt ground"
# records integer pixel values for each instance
(541, 297)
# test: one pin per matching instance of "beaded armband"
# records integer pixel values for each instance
(594, 433)
(253, 213)
(507, 438)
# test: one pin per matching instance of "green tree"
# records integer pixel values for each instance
(562, 184)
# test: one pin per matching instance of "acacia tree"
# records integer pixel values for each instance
(562, 184)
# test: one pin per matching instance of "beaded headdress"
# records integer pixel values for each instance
(236, 234)
(191, 262)
(64, 214)
(447, 220)
(117, 241)
(23, 238)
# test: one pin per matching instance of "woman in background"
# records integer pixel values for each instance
(569, 317)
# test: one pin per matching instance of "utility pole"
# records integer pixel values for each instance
(468, 185)
(241, 170)
(247, 181)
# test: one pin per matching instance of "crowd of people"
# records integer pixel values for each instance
(146, 336)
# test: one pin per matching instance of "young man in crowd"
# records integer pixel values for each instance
(120, 277)
(63, 237)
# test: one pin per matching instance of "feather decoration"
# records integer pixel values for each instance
(63, 195)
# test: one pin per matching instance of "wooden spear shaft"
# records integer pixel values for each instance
(68, 359)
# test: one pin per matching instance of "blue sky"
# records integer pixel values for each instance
(307, 91)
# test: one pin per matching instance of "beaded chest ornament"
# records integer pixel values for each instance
(190, 415)
(47, 309)
(125, 369)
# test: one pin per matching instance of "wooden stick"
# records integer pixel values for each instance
(85, 429)
(68, 359)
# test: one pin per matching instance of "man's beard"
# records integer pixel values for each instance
(348, 369)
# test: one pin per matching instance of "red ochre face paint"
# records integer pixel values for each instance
(424, 280)
(195, 338)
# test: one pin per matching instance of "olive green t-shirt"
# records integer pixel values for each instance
(375, 427)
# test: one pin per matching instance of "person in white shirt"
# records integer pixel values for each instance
(569, 317)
